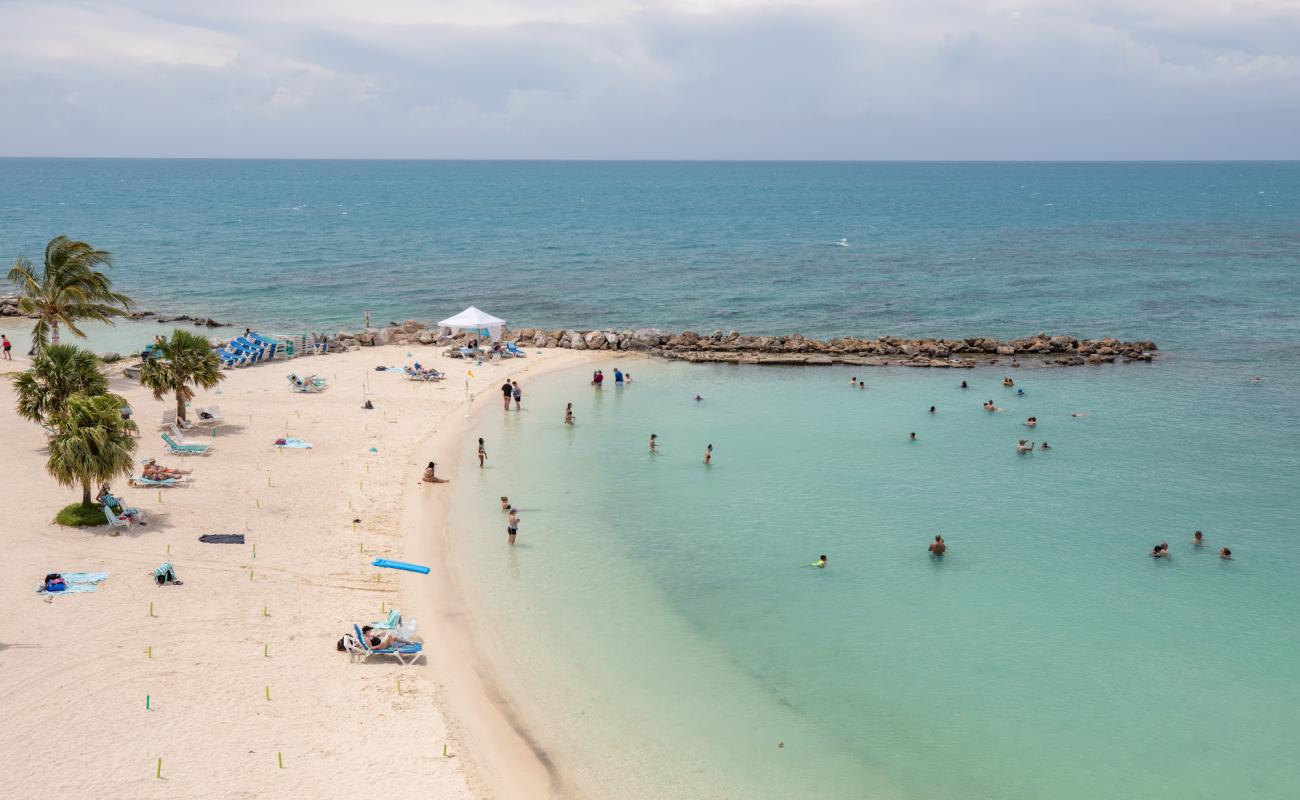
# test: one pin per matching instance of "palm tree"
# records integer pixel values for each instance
(93, 443)
(70, 289)
(58, 372)
(176, 364)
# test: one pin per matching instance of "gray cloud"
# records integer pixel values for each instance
(685, 79)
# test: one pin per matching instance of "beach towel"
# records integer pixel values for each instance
(297, 444)
(222, 538)
(79, 582)
(393, 621)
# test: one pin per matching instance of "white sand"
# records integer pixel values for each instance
(74, 673)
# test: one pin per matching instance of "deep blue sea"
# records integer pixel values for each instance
(655, 626)
(1175, 252)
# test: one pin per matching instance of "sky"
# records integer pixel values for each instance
(670, 79)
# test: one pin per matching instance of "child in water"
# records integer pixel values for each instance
(568, 414)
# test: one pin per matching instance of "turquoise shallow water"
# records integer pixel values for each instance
(657, 625)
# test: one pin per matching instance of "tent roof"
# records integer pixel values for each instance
(472, 318)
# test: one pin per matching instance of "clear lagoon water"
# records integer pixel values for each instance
(654, 624)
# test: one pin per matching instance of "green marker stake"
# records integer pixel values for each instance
(146, 703)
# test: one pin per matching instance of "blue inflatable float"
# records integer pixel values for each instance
(383, 562)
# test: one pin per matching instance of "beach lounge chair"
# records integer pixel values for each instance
(207, 415)
(406, 654)
(141, 482)
(514, 350)
(184, 449)
(114, 521)
(309, 385)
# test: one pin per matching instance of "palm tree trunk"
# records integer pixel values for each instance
(85, 493)
(180, 406)
(54, 333)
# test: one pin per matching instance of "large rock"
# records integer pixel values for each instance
(595, 340)
(539, 339)
(426, 337)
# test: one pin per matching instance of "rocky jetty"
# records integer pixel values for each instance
(734, 348)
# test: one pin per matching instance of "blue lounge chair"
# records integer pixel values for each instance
(184, 449)
(142, 482)
(514, 350)
(406, 654)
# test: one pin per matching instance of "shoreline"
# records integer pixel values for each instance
(506, 761)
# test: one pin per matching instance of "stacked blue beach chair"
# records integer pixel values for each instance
(249, 349)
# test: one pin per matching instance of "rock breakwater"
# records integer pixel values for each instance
(735, 348)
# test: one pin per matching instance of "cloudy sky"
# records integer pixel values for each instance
(814, 79)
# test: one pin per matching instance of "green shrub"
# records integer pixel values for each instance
(79, 516)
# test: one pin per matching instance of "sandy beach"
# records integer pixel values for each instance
(238, 666)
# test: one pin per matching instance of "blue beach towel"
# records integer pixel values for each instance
(394, 619)
(79, 582)
(296, 444)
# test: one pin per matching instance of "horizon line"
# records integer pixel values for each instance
(672, 160)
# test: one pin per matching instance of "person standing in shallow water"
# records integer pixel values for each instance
(482, 452)
(512, 525)
(568, 414)
(938, 547)
(653, 442)
(708, 454)
(518, 394)
(506, 393)
(618, 378)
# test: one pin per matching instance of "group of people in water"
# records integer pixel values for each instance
(1198, 541)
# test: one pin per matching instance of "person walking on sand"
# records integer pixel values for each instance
(708, 454)
(8, 345)
(938, 547)
(506, 393)
(482, 452)
(568, 414)
(512, 525)
(653, 442)
(519, 395)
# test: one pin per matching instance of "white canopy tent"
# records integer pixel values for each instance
(471, 319)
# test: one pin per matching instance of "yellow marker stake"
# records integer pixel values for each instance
(354, 527)
(169, 549)
(250, 574)
(160, 495)
(266, 650)
(268, 481)
(259, 502)
(264, 612)
(349, 505)
(158, 773)
(149, 651)
(399, 685)
(280, 757)
(254, 551)
(268, 694)
(151, 609)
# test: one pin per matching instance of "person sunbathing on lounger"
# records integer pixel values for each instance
(157, 472)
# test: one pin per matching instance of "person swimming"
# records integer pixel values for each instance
(990, 407)
(938, 547)
(1044, 446)
(1031, 422)
(698, 398)
(1024, 446)
(505, 503)
(912, 436)
(1008, 382)
(1020, 393)
(1198, 539)
(653, 442)
(964, 385)
(931, 409)
(853, 381)
(1161, 550)
(1225, 554)
(708, 454)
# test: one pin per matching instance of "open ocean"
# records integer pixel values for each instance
(654, 625)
